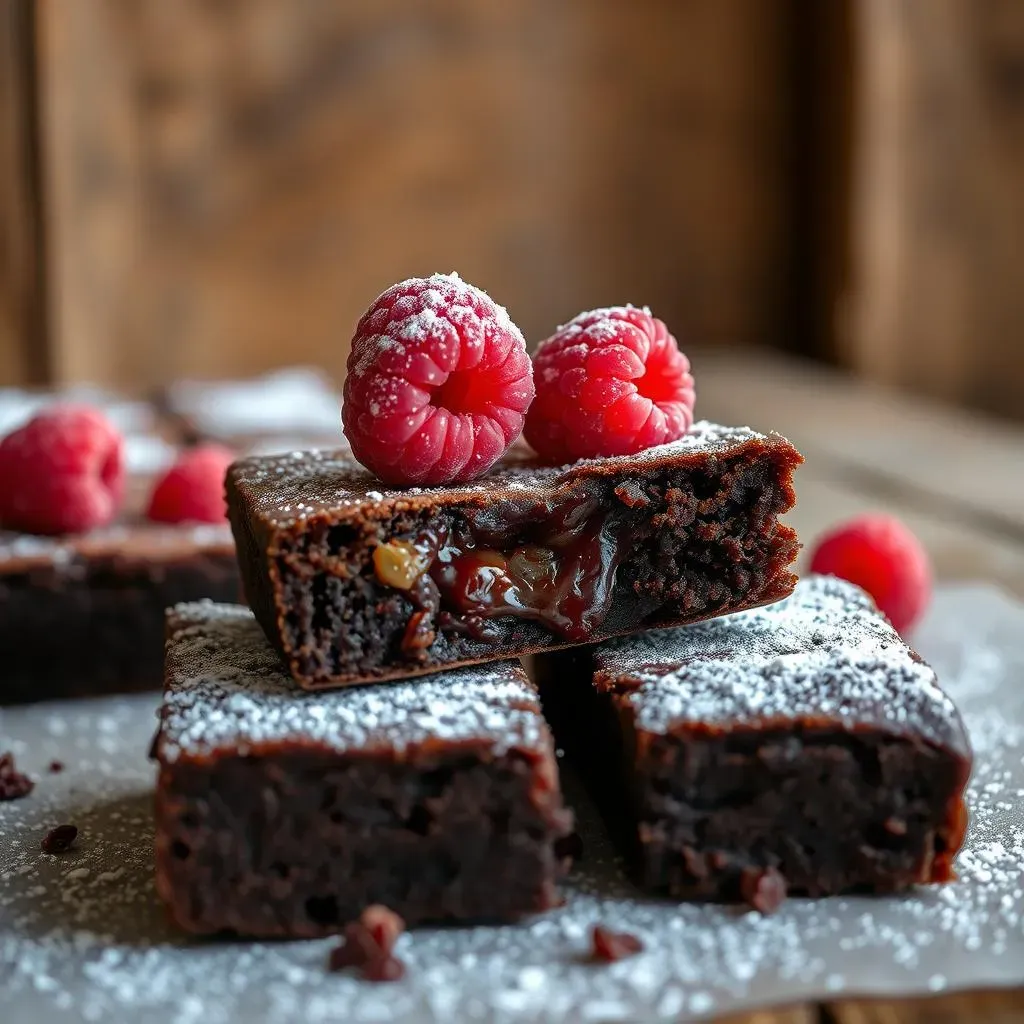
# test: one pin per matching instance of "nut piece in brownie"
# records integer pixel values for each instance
(353, 582)
(286, 813)
(804, 740)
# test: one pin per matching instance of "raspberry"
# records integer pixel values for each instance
(438, 383)
(609, 382)
(62, 472)
(192, 490)
(879, 554)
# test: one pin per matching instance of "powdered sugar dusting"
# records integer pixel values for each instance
(97, 947)
(292, 486)
(824, 653)
(227, 692)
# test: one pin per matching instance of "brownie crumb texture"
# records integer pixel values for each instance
(13, 784)
(354, 585)
(608, 946)
(59, 839)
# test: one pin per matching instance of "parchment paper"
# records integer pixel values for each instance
(83, 938)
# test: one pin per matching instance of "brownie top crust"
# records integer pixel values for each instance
(824, 655)
(284, 490)
(227, 692)
(125, 542)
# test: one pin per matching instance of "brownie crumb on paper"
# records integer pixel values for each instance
(13, 784)
(608, 946)
(59, 839)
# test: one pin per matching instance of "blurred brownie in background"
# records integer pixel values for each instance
(292, 409)
(83, 614)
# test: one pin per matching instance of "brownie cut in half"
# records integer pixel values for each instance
(286, 813)
(354, 582)
(804, 740)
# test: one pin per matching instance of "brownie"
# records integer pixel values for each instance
(284, 410)
(355, 582)
(800, 747)
(84, 615)
(285, 813)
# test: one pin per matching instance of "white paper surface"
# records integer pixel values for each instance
(83, 938)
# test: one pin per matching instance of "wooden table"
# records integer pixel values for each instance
(956, 479)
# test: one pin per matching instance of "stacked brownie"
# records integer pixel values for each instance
(364, 733)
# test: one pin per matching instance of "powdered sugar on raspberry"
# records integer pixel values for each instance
(83, 937)
(612, 381)
(438, 382)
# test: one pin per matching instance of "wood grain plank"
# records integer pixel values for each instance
(959, 552)
(995, 1007)
(96, 262)
(787, 1015)
(22, 308)
(934, 300)
(931, 452)
(231, 184)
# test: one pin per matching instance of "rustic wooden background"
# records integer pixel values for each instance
(194, 188)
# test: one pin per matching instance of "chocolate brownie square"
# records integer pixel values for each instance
(801, 746)
(355, 582)
(286, 813)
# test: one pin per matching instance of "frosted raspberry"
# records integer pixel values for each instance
(438, 383)
(192, 490)
(879, 554)
(62, 472)
(609, 382)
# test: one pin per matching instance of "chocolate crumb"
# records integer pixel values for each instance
(13, 784)
(55, 766)
(59, 839)
(356, 948)
(367, 944)
(763, 888)
(383, 968)
(569, 847)
(608, 946)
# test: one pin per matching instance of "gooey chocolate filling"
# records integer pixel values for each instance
(559, 572)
